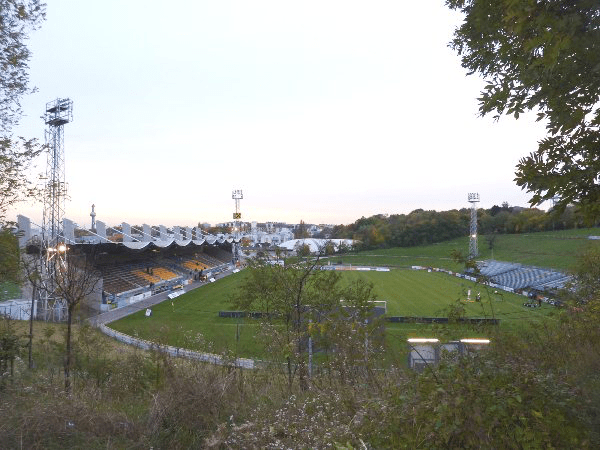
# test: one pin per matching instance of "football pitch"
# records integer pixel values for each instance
(192, 321)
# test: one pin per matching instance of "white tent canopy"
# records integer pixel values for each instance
(316, 244)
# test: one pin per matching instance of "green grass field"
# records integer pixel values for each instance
(192, 321)
(556, 250)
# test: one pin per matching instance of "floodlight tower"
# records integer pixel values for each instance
(473, 251)
(237, 195)
(58, 113)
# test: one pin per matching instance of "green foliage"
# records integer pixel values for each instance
(303, 304)
(536, 388)
(18, 19)
(587, 275)
(542, 57)
(9, 258)
(295, 295)
(10, 349)
(16, 157)
(429, 227)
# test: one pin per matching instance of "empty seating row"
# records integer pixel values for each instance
(146, 276)
(165, 274)
(193, 264)
(492, 268)
(518, 276)
(210, 260)
(117, 279)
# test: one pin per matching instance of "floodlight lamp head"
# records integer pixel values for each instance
(473, 197)
(423, 340)
(237, 194)
(59, 112)
(475, 341)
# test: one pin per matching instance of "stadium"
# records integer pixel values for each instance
(134, 265)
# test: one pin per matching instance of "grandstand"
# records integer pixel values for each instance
(131, 272)
(137, 262)
(122, 278)
(520, 277)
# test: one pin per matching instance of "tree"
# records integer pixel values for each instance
(288, 298)
(74, 281)
(9, 348)
(9, 258)
(586, 276)
(298, 301)
(30, 266)
(17, 20)
(301, 232)
(302, 249)
(542, 56)
(16, 157)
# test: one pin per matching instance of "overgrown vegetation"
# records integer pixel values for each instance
(536, 387)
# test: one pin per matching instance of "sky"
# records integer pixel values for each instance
(322, 111)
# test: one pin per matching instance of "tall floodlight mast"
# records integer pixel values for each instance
(58, 113)
(473, 251)
(237, 195)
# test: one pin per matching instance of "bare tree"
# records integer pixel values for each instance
(31, 267)
(74, 281)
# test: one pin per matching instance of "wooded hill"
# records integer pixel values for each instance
(422, 227)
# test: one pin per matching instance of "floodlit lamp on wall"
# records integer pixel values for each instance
(475, 341)
(422, 340)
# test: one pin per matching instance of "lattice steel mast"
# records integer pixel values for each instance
(58, 113)
(473, 251)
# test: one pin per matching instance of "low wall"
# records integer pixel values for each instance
(177, 352)
(408, 319)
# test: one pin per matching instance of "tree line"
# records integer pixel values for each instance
(421, 227)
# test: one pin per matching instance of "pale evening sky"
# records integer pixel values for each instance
(323, 111)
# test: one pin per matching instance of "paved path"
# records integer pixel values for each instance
(119, 313)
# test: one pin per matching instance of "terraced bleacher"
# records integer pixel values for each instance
(220, 255)
(123, 278)
(519, 276)
(146, 276)
(142, 274)
(193, 264)
(209, 260)
(163, 273)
